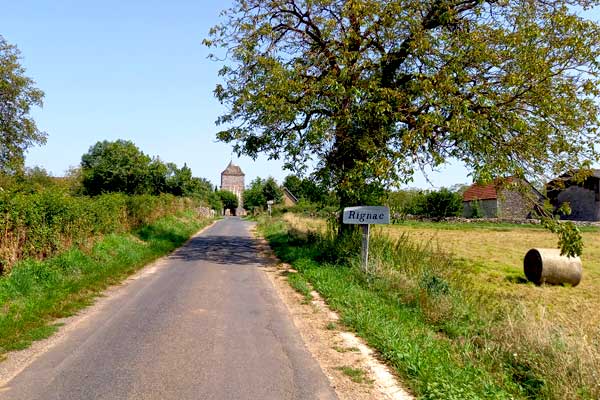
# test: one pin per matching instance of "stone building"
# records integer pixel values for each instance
(232, 179)
(495, 201)
(583, 197)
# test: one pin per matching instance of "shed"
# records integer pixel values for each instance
(494, 200)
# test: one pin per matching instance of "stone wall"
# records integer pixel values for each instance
(488, 208)
(512, 205)
(491, 221)
(584, 203)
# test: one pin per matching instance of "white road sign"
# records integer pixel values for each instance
(366, 215)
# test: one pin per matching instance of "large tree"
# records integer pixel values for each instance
(373, 89)
(261, 191)
(307, 189)
(18, 94)
(118, 166)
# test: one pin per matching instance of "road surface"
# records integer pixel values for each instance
(207, 324)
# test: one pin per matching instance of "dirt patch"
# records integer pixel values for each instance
(341, 354)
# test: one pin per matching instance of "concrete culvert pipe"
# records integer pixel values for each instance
(548, 266)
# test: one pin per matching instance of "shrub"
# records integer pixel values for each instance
(430, 204)
(42, 224)
(443, 203)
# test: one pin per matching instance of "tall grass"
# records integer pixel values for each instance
(445, 336)
(43, 224)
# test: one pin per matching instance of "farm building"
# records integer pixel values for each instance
(495, 201)
(583, 197)
(288, 197)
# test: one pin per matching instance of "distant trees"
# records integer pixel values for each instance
(272, 191)
(180, 182)
(120, 166)
(307, 189)
(117, 166)
(18, 94)
(443, 203)
(253, 196)
(431, 204)
(261, 191)
(30, 180)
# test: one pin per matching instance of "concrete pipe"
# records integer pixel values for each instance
(548, 266)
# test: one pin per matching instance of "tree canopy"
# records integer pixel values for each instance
(260, 191)
(372, 90)
(18, 94)
(120, 166)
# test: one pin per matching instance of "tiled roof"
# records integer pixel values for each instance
(480, 192)
(489, 191)
(232, 169)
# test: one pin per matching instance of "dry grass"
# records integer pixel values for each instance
(559, 324)
(305, 223)
(557, 327)
(493, 260)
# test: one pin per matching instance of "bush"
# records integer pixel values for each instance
(443, 203)
(42, 224)
(429, 204)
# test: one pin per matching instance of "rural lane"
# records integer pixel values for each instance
(205, 324)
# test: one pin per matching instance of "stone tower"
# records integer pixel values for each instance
(232, 179)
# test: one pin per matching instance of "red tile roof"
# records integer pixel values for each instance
(486, 192)
(480, 192)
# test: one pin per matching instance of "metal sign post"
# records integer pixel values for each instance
(364, 250)
(365, 217)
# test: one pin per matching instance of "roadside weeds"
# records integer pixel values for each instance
(444, 336)
(352, 368)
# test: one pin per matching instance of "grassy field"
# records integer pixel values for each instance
(492, 257)
(457, 294)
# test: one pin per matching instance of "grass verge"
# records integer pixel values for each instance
(446, 337)
(36, 293)
(356, 375)
(299, 283)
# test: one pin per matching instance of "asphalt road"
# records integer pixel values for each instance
(207, 324)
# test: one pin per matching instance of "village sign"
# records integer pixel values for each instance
(365, 216)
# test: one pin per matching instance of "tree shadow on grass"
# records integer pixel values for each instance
(518, 279)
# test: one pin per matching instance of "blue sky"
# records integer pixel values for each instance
(133, 70)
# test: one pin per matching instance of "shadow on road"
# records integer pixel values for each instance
(227, 250)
